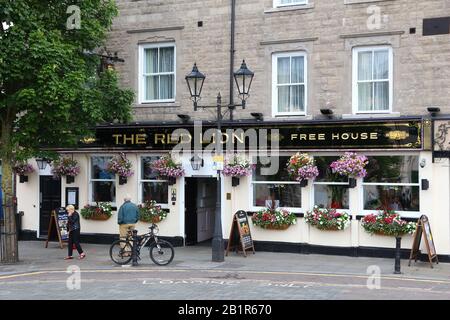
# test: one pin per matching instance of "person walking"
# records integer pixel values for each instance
(127, 218)
(73, 227)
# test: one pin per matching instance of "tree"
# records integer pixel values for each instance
(50, 92)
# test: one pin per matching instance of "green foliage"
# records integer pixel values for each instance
(50, 92)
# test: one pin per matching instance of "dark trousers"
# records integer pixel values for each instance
(74, 239)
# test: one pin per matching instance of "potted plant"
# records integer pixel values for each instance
(327, 219)
(388, 223)
(101, 211)
(66, 167)
(352, 166)
(121, 166)
(167, 168)
(23, 169)
(301, 167)
(237, 167)
(149, 211)
(274, 218)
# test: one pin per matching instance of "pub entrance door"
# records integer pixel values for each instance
(49, 199)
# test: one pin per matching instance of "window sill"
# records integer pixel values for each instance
(362, 1)
(290, 116)
(290, 8)
(371, 115)
(173, 104)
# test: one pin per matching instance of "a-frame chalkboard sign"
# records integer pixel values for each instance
(240, 236)
(423, 227)
(58, 221)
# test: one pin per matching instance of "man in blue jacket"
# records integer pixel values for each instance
(127, 217)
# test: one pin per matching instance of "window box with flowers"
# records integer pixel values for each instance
(151, 212)
(302, 167)
(23, 169)
(352, 166)
(121, 166)
(102, 211)
(274, 219)
(327, 219)
(66, 167)
(167, 168)
(387, 223)
(236, 168)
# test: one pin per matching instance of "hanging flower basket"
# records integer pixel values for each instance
(274, 219)
(102, 211)
(23, 169)
(352, 166)
(237, 167)
(327, 219)
(66, 167)
(387, 223)
(122, 180)
(121, 166)
(302, 167)
(167, 168)
(151, 212)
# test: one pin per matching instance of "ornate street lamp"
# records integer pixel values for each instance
(42, 163)
(243, 78)
(197, 162)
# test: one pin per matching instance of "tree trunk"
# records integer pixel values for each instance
(9, 237)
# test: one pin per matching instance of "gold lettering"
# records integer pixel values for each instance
(321, 136)
(374, 136)
(355, 136)
(240, 138)
(312, 136)
(141, 138)
(117, 136)
(125, 139)
(364, 136)
(335, 136)
(345, 136)
(303, 137)
(294, 136)
(188, 136)
(160, 137)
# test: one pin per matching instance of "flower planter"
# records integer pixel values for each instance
(23, 178)
(351, 183)
(278, 227)
(303, 183)
(122, 180)
(99, 217)
(171, 181)
(70, 179)
(235, 181)
(152, 220)
(329, 229)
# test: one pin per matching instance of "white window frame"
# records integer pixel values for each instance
(403, 214)
(275, 85)
(91, 180)
(277, 3)
(281, 167)
(142, 76)
(142, 181)
(355, 92)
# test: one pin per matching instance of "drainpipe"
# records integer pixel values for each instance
(232, 50)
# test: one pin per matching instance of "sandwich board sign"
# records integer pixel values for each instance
(240, 235)
(58, 221)
(423, 228)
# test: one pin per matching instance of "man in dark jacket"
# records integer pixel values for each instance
(127, 217)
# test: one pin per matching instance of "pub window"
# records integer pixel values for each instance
(284, 3)
(151, 186)
(372, 79)
(102, 182)
(157, 73)
(289, 84)
(275, 189)
(392, 183)
(330, 189)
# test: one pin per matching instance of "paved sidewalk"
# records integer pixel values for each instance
(34, 257)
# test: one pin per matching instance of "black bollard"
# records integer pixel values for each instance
(134, 249)
(398, 241)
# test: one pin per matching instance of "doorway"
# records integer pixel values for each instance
(49, 199)
(200, 205)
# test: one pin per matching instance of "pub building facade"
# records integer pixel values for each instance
(330, 77)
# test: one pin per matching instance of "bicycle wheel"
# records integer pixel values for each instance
(162, 252)
(120, 252)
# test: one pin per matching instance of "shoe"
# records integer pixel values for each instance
(82, 256)
(68, 258)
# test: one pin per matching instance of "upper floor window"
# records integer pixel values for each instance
(157, 73)
(289, 88)
(283, 3)
(372, 79)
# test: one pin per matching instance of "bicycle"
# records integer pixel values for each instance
(161, 251)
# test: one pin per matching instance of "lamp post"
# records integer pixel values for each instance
(243, 78)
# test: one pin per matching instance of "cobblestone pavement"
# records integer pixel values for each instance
(42, 274)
